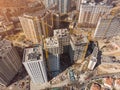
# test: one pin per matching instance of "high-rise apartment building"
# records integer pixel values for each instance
(108, 26)
(91, 11)
(10, 62)
(63, 6)
(33, 61)
(37, 24)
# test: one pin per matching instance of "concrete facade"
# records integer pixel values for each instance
(90, 12)
(10, 62)
(108, 26)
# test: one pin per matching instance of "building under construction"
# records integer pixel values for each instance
(78, 44)
(108, 26)
(53, 50)
(63, 36)
(91, 11)
(53, 46)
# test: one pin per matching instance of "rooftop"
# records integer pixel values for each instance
(95, 86)
(117, 81)
(97, 2)
(5, 46)
(109, 81)
(42, 13)
(79, 39)
(33, 54)
(52, 42)
(61, 33)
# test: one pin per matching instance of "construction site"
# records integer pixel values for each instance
(61, 48)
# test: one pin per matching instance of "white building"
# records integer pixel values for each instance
(92, 63)
(34, 64)
(93, 59)
(10, 62)
(34, 27)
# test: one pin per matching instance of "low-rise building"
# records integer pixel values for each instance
(95, 86)
(108, 82)
(117, 84)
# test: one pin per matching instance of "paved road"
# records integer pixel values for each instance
(98, 77)
(63, 83)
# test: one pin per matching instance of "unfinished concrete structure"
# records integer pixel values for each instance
(53, 46)
(108, 26)
(33, 60)
(63, 36)
(93, 59)
(10, 62)
(37, 24)
(78, 43)
(91, 11)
